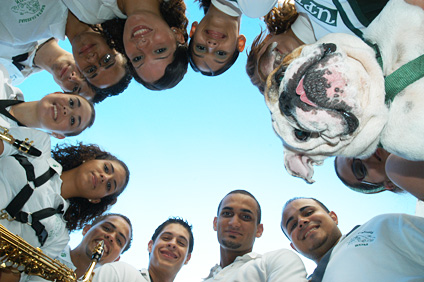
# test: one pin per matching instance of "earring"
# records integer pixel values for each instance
(90, 200)
(174, 30)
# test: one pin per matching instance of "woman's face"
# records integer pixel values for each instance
(272, 52)
(150, 45)
(100, 178)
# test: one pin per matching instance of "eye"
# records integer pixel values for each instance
(75, 89)
(106, 58)
(359, 170)
(221, 53)
(71, 103)
(108, 186)
(72, 121)
(160, 50)
(293, 226)
(106, 169)
(181, 243)
(226, 214)
(246, 217)
(107, 229)
(301, 135)
(279, 75)
(200, 48)
(119, 242)
(137, 59)
(90, 70)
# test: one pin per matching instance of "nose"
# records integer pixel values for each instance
(104, 178)
(141, 43)
(72, 76)
(92, 58)
(302, 222)
(172, 244)
(211, 43)
(234, 222)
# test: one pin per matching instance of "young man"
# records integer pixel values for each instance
(215, 42)
(238, 225)
(58, 113)
(22, 61)
(389, 247)
(102, 66)
(169, 249)
(115, 230)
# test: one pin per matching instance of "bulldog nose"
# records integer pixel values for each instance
(329, 48)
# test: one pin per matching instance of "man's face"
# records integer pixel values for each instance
(69, 78)
(370, 170)
(114, 231)
(98, 63)
(170, 250)
(236, 224)
(214, 43)
(310, 228)
(64, 113)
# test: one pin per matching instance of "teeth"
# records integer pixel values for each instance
(55, 112)
(307, 233)
(141, 31)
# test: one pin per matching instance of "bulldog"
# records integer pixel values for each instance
(328, 98)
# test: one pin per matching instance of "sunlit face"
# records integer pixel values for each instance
(236, 224)
(64, 113)
(371, 170)
(272, 52)
(99, 64)
(310, 228)
(150, 45)
(114, 231)
(69, 78)
(99, 178)
(213, 43)
(170, 250)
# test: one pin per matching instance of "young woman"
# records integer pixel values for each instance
(68, 187)
(151, 33)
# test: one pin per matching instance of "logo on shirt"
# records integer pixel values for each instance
(322, 13)
(362, 239)
(27, 8)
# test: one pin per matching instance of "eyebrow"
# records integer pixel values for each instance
(120, 233)
(291, 218)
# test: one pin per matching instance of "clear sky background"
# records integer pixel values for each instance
(189, 146)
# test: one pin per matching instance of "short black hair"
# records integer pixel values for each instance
(243, 192)
(104, 216)
(176, 220)
(213, 73)
(113, 90)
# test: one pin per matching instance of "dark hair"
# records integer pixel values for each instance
(204, 4)
(117, 88)
(173, 12)
(176, 220)
(213, 73)
(90, 122)
(278, 21)
(243, 192)
(104, 216)
(80, 210)
(306, 198)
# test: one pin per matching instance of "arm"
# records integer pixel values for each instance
(406, 174)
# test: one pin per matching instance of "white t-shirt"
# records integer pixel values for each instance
(117, 272)
(28, 21)
(280, 265)
(389, 247)
(94, 11)
(7, 91)
(325, 17)
(250, 8)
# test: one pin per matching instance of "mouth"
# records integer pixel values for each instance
(233, 234)
(54, 112)
(309, 232)
(86, 49)
(63, 71)
(93, 179)
(141, 31)
(215, 34)
(168, 254)
(106, 246)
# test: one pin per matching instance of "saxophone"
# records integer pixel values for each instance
(19, 256)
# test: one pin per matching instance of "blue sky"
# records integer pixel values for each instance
(189, 146)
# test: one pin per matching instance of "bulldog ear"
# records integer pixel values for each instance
(299, 165)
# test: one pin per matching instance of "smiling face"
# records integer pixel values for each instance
(169, 252)
(237, 223)
(213, 43)
(64, 113)
(98, 63)
(114, 231)
(96, 179)
(69, 78)
(150, 45)
(311, 229)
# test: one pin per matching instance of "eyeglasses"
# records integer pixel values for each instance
(106, 61)
(360, 171)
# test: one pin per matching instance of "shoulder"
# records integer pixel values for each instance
(117, 271)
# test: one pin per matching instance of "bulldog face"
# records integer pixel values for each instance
(328, 101)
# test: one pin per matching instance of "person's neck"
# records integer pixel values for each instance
(292, 34)
(130, 7)
(229, 256)
(80, 260)
(161, 275)
(74, 27)
(317, 260)
(26, 113)
(47, 54)
(67, 188)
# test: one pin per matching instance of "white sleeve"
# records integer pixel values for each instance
(117, 272)
(284, 266)
(255, 8)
